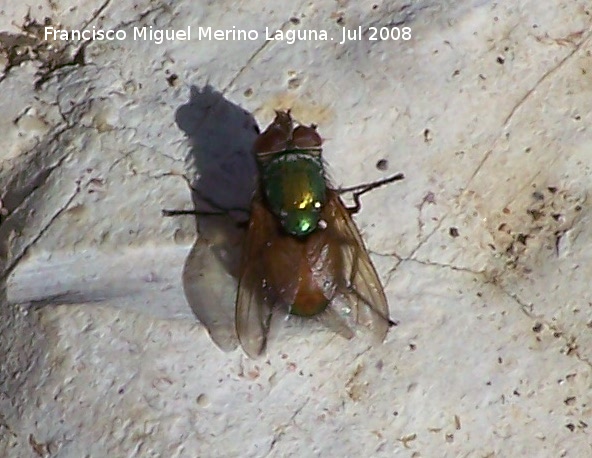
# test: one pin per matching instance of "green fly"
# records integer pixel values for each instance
(302, 250)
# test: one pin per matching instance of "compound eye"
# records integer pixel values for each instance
(271, 141)
(306, 137)
(277, 135)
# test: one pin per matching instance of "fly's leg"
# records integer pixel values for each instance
(219, 211)
(240, 224)
(168, 213)
(361, 189)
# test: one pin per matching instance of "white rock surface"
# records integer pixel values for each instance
(484, 249)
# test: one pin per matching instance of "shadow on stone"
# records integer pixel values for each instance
(221, 135)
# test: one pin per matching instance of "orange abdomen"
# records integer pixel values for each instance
(302, 272)
(310, 298)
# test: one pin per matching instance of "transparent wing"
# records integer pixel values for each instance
(335, 321)
(210, 292)
(369, 306)
(255, 297)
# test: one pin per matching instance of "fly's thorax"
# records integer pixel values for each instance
(295, 189)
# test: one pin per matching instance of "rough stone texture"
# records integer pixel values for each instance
(484, 250)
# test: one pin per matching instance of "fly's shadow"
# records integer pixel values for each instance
(221, 135)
